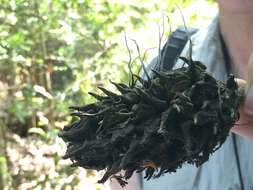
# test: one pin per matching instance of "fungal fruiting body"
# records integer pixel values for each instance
(174, 117)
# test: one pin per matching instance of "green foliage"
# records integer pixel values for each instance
(52, 53)
(4, 170)
(38, 131)
(68, 48)
(2, 159)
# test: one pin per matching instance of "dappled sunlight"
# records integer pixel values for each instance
(52, 53)
(36, 164)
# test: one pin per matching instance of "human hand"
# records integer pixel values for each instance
(244, 127)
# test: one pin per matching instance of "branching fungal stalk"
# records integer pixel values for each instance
(141, 60)
(131, 78)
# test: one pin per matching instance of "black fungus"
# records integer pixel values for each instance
(179, 116)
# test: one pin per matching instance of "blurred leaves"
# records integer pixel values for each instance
(38, 131)
(52, 53)
(2, 159)
(59, 50)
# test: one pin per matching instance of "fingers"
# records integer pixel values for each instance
(248, 104)
(240, 82)
(250, 69)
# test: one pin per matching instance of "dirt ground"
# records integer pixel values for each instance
(37, 165)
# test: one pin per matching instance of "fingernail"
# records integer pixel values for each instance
(248, 104)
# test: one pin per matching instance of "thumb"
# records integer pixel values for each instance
(248, 104)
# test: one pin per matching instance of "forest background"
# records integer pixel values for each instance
(52, 53)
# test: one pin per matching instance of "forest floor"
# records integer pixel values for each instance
(36, 164)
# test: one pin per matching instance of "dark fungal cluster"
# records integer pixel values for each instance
(174, 117)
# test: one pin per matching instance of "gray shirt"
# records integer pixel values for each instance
(220, 171)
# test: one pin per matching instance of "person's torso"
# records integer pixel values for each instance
(220, 172)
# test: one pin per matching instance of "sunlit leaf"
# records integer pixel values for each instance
(2, 159)
(38, 131)
(42, 90)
